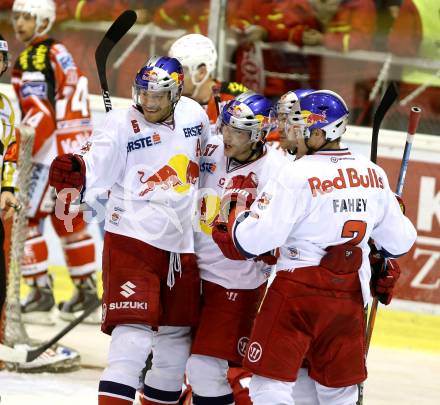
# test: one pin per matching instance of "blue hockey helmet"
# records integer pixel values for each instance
(159, 74)
(326, 110)
(251, 112)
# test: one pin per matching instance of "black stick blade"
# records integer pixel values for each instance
(114, 34)
(387, 101)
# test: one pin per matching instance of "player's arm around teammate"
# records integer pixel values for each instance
(322, 211)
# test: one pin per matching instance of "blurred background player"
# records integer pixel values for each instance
(53, 98)
(148, 156)
(8, 162)
(198, 56)
(232, 289)
(316, 302)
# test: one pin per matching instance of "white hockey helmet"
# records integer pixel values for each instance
(194, 50)
(289, 104)
(40, 9)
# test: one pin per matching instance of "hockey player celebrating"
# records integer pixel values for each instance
(148, 157)
(8, 166)
(232, 289)
(321, 211)
(53, 98)
(198, 56)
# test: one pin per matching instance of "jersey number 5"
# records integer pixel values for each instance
(355, 230)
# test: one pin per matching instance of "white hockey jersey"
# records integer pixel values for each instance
(152, 172)
(216, 171)
(322, 200)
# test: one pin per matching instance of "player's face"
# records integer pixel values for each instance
(156, 105)
(24, 26)
(236, 142)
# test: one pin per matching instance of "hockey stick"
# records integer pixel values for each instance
(414, 118)
(387, 101)
(114, 34)
(21, 355)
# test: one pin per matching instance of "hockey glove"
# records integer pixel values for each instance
(223, 238)
(239, 195)
(67, 171)
(401, 203)
(383, 279)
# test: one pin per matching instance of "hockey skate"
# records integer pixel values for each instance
(56, 359)
(83, 298)
(37, 306)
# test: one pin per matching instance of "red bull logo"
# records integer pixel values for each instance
(150, 75)
(179, 174)
(235, 110)
(177, 77)
(311, 118)
(209, 209)
(264, 201)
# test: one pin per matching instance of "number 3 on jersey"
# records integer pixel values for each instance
(355, 230)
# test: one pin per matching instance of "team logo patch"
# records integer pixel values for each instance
(208, 167)
(293, 252)
(254, 352)
(86, 147)
(34, 89)
(311, 118)
(66, 61)
(242, 345)
(235, 110)
(115, 218)
(127, 289)
(264, 201)
(150, 75)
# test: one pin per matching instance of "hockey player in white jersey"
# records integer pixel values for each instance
(148, 157)
(232, 289)
(321, 211)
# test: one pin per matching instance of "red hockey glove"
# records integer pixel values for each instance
(239, 195)
(383, 280)
(240, 192)
(67, 171)
(222, 236)
(401, 203)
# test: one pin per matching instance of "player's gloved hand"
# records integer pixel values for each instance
(383, 278)
(67, 171)
(240, 193)
(401, 203)
(269, 258)
(223, 238)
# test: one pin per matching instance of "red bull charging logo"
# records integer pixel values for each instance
(235, 110)
(311, 118)
(179, 174)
